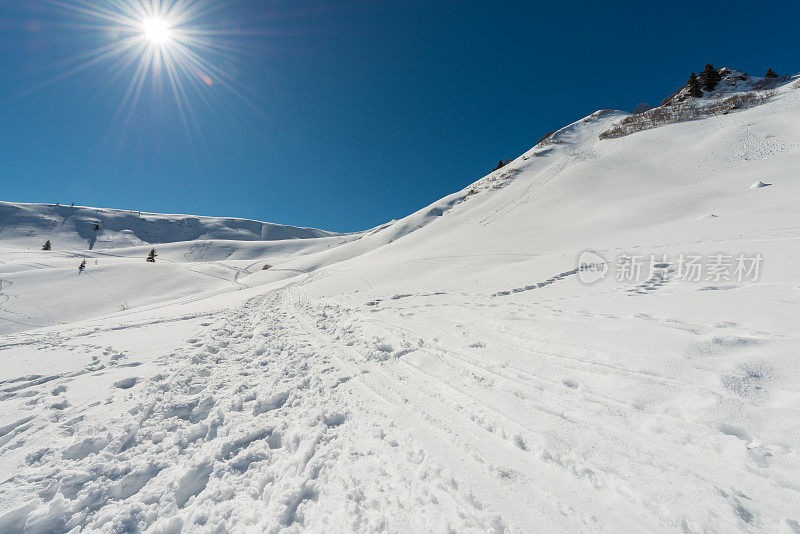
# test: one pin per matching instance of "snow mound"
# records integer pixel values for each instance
(759, 184)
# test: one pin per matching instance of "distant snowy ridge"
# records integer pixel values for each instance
(88, 228)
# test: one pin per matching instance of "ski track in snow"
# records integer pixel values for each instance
(288, 413)
(258, 406)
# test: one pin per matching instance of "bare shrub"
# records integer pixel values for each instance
(673, 98)
(545, 137)
(766, 83)
(683, 112)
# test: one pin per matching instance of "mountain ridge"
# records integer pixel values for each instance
(73, 226)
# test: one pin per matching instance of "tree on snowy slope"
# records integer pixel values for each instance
(151, 258)
(502, 163)
(771, 74)
(47, 245)
(711, 77)
(694, 86)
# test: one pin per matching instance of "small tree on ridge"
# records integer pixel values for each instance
(694, 86)
(711, 77)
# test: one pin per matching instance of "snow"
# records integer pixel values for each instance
(71, 227)
(455, 370)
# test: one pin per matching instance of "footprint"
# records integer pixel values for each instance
(82, 449)
(570, 383)
(61, 404)
(335, 419)
(193, 482)
(126, 383)
(274, 402)
(36, 456)
(735, 431)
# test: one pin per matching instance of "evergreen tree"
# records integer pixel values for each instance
(771, 74)
(46, 245)
(694, 86)
(151, 258)
(711, 77)
(82, 266)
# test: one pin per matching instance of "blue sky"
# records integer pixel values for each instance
(347, 114)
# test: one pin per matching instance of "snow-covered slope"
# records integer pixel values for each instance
(197, 256)
(460, 369)
(78, 227)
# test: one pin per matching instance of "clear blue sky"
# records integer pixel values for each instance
(364, 111)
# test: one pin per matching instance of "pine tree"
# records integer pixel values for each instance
(151, 258)
(771, 74)
(694, 86)
(711, 77)
(46, 245)
(82, 266)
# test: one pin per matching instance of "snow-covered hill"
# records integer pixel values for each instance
(197, 256)
(600, 336)
(78, 227)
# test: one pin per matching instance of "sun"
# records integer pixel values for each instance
(184, 49)
(156, 30)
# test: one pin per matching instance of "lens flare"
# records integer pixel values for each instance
(175, 47)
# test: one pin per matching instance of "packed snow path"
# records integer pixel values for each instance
(292, 413)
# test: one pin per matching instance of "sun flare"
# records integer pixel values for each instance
(156, 30)
(182, 49)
